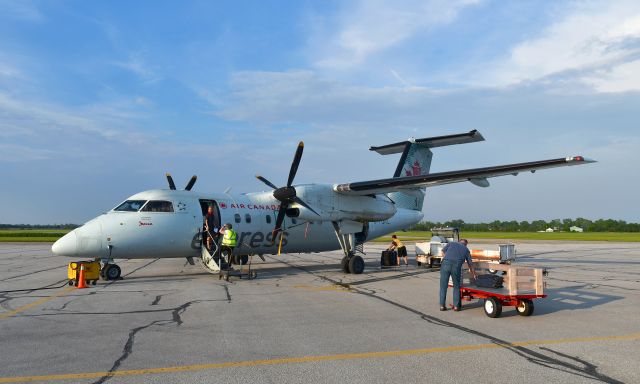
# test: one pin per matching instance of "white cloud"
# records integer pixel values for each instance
(138, 65)
(368, 27)
(592, 43)
(21, 10)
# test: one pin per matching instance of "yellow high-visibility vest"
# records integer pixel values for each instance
(230, 238)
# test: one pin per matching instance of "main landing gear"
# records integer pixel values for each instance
(351, 263)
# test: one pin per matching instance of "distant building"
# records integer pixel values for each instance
(549, 230)
(576, 229)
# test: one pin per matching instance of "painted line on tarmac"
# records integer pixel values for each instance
(310, 359)
(43, 300)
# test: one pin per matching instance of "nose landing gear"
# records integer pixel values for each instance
(110, 272)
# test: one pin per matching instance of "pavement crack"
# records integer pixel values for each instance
(176, 319)
(226, 291)
(126, 351)
(156, 300)
(583, 369)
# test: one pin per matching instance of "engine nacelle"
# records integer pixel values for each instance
(333, 206)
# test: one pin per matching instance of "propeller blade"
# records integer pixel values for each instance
(191, 182)
(301, 202)
(296, 162)
(172, 185)
(279, 220)
(266, 181)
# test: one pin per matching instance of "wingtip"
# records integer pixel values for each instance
(581, 159)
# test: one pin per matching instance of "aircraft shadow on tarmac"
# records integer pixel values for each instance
(573, 298)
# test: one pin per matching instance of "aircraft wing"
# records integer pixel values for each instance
(477, 176)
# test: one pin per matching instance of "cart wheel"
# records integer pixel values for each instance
(71, 283)
(492, 307)
(93, 282)
(525, 307)
(419, 263)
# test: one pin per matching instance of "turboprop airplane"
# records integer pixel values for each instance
(303, 218)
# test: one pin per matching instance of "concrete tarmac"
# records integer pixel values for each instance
(304, 321)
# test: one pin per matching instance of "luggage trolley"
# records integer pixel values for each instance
(521, 286)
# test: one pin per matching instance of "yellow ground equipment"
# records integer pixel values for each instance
(91, 272)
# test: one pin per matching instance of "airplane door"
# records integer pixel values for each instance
(204, 206)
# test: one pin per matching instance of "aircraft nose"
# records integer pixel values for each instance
(67, 245)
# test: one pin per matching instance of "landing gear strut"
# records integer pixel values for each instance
(351, 263)
(109, 271)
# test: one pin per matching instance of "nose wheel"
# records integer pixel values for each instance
(110, 272)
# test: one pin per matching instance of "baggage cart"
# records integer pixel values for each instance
(91, 272)
(521, 286)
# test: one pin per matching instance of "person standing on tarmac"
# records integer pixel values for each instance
(455, 254)
(229, 239)
(402, 250)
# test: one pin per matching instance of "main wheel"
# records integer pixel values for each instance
(344, 265)
(112, 272)
(525, 307)
(356, 265)
(492, 307)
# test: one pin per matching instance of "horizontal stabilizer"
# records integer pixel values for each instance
(430, 142)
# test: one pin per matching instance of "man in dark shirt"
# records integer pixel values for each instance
(455, 254)
(211, 231)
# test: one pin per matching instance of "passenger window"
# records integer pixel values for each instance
(130, 206)
(158, 206)
(247, 218)
(268, 219)
(237, 218)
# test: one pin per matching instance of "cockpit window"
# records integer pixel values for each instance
(158, 206)
(130, 206)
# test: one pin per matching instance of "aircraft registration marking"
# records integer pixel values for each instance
(311, 359)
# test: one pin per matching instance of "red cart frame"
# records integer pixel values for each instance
(521, 286)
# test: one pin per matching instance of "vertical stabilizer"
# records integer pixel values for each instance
(416, 160)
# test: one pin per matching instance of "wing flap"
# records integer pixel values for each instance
(441, 178)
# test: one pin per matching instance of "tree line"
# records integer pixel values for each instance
(38, 226)
(600, 225)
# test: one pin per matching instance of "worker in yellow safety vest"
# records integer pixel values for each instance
(229, 239)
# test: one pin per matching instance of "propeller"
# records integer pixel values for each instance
(190, 184)
(287, 195)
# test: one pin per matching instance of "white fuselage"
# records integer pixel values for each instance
(152, 234)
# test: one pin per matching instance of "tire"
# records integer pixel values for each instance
(344, 265)
(112, 272)
(525, 307)
(356, 265)
(492, 307)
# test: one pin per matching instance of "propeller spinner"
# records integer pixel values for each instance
(287, 195)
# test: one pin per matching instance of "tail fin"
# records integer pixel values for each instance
(416, 160)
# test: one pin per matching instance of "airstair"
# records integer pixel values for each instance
(219, 263)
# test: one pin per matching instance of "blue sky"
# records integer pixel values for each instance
(98, 99)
